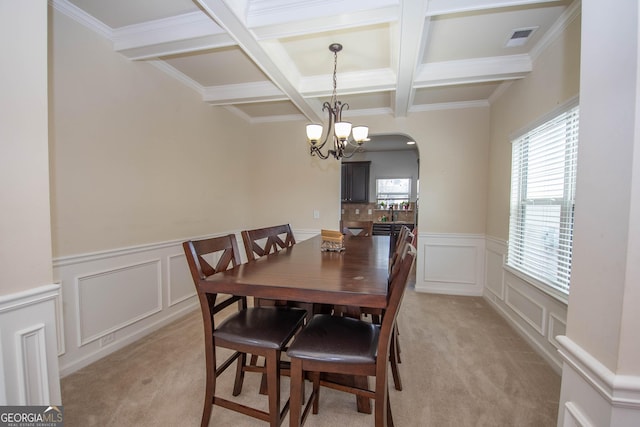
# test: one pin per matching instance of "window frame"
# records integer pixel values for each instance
(396, 200)
(513, 260)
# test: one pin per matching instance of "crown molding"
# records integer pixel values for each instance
(78, 15)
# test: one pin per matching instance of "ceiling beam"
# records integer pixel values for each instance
(473, 71)
(411, 27)
(224, 16)
(445, 7)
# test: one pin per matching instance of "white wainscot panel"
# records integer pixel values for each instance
(526, 307)
(113, 299)
(451, 264)
(180, 282)
(494, 262)
(29, 372)
(33, 384)
(557, 326)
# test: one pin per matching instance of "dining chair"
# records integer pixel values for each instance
(262, 331)
(403, 244)
(264, 241)
(344, 345)
(357, 228)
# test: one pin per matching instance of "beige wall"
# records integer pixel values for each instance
(136, 157)
(555, 79)
(453, 146)
(25, 233)
(287, 184)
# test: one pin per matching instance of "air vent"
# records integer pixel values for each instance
(520, 36)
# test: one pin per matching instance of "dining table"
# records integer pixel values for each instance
(356, 276)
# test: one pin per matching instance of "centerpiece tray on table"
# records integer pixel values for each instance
(332, 241)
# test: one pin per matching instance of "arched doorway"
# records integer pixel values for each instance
(392, 165)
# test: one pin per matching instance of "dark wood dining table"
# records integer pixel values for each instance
(356, 276)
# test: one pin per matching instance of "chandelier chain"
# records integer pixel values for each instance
(334, 96)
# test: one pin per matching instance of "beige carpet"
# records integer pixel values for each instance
(462, 365)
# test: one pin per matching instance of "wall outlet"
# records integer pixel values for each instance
(316, 214)
(370, 211)
(357, 211)
(107, 339)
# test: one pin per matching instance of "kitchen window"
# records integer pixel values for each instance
(543, 179)
(393, 191)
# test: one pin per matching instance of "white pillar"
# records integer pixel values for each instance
(601, 349)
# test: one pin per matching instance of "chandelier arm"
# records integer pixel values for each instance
(316, 151)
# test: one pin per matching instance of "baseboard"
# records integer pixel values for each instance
(79, 363)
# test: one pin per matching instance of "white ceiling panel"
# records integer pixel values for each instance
(268, 60)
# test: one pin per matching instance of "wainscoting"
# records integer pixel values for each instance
(536, 315)
(28, 347)
(592, 395)
(474, 265)
(113, 298)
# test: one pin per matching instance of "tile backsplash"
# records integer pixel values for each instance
(360, 212)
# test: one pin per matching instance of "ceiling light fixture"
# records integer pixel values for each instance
(346, 141)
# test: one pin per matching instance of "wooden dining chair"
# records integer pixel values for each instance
(264, 241)
(403, 244)
(343, 345)
(262, 331)
(357, 228)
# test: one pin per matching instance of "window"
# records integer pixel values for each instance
(543, 178)
(393, 191)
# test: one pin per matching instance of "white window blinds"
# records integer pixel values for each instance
(543, 178)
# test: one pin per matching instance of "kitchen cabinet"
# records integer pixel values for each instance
(355, 182)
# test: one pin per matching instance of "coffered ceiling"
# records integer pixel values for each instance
(268, 60)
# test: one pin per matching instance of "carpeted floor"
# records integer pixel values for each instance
(462, 365)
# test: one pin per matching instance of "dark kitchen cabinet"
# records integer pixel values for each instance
(355, 182)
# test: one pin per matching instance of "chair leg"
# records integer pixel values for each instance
(210, 386)
(272, 363)
(393, 360)
(389, 415)
(396, 339)
(381, 406)
(316, 392)
(295, 396)
(237, 386)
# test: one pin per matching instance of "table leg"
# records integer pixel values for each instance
(363, 404)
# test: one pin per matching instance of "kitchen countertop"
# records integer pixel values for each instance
(392, 222)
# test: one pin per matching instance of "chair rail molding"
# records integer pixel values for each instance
(29, 347)
(592, 394)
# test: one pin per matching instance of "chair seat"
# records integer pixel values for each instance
(336, 339)
(267, 327)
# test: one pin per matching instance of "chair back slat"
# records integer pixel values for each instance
(225, 248)
(263, 241)
(365, 227)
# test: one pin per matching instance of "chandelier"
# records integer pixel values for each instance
(346, 141)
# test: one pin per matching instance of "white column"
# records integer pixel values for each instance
(601, 349)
